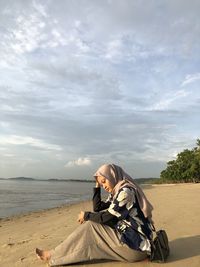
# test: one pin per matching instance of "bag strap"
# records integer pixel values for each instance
(153, 227)
(134, 229)
(151, 240)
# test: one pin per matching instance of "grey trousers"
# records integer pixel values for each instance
(93, 241)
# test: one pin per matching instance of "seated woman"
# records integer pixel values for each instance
(118, 229)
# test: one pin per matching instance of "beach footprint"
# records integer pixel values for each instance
(43, 236)
(22, 259)
(24, 241)
(11, 244)
(8, 245)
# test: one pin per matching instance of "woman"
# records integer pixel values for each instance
(118, 229)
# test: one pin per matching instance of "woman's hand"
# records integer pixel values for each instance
(81, 217)
(97, 184)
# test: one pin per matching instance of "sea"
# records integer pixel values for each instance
(20, 196)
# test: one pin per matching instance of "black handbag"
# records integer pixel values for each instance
(159, 246)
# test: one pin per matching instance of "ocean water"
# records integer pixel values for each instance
(20, 197)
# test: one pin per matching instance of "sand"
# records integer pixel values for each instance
(176, 209)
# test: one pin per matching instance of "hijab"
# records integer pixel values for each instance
(120, 179)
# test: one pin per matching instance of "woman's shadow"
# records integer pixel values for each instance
(184, 247)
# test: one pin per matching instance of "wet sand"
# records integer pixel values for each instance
(176, 209)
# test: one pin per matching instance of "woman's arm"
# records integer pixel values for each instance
(98, 204)
(118, 210)
(103, 217)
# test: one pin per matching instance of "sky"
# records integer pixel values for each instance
(88, 82)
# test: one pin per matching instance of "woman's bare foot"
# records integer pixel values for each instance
(44, 255)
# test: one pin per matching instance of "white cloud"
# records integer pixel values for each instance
(170, 99)
(40, 8)
(113, 49)
(27, 140)
(190, 78)
(27, 34)
(96, 79)
(4, 124)
(8, 155)
(79, 162)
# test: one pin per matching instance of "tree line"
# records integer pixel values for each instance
(185, 168)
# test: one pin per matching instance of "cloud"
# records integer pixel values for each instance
(101, 79)
(79, 162)
(27, 140)
(113, 49)
(190, 78)
(170, 99)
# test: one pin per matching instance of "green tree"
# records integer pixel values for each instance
(186, 167)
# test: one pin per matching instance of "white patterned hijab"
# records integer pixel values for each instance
(120, 179)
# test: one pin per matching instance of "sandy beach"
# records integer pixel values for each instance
(176, 209)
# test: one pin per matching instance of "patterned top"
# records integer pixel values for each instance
(123, 214)
(126, 208)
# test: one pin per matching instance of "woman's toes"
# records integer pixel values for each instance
(39, 253)
(42, 254)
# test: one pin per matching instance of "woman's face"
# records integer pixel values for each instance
(105, 183)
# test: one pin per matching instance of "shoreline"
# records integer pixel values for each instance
(35, 212)
(63, 206)
(144, 187)
(175, 210)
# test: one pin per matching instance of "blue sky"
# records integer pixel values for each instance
(88, 82)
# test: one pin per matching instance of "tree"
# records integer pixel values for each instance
(186, 167)
(198, 143)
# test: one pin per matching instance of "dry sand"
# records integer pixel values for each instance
(176, 209)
